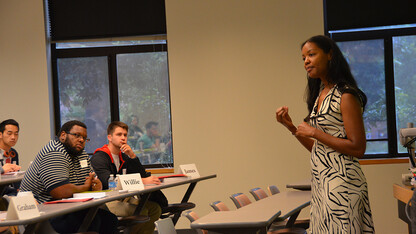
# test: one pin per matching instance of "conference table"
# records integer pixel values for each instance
(10, 178)
(304, 185)
(48, 211)
(257, 216)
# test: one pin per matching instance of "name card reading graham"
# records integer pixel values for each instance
(189, 170)
(26, 207)
(22, 207)
(131, 182)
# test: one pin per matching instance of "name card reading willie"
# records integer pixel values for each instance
(189, 170)
(131, 182)
(22, 207)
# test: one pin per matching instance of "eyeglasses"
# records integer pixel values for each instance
(76, 135)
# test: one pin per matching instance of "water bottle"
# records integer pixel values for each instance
(112, 185)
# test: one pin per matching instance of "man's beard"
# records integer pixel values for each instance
(72, 151)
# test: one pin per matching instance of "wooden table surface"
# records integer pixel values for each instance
(402, 192)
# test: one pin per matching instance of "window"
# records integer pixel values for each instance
(366, 59)
(383, 62)
(100, 82)
(404, 53)
(82, 84)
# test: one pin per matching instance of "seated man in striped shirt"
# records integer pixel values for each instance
(61, 169)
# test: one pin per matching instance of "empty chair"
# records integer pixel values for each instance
(192, 216)
(258, 193)
(240, 200)
(273, 190)
(219, 206)
(165, 226)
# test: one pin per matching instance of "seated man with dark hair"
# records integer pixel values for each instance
(9, 158)
(110, 160)
(9, 134)
(61, 169)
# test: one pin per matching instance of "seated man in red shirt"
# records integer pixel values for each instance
(110, 160)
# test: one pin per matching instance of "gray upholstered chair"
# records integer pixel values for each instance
(273, 190)
(240, 200)
(258, 193)
(192, 216)
(219, 206)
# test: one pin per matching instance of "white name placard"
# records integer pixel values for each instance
(22, 207)
(189, 170)
(131, 182)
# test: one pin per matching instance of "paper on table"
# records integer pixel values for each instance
(3, 215)
(169, 176)
(95, 194)
(69, 200)
(14, 173)
(173, 178)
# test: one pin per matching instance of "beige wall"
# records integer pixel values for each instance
(23, 74)
(231, 63)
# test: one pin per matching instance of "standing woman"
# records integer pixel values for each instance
(334, 134)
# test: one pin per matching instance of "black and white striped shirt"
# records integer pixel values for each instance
(52, 168)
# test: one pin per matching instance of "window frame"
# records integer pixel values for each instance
(387, 36)
(111, 53)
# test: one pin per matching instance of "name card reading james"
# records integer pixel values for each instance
(22, 207)
(131, 182)
(189, 170)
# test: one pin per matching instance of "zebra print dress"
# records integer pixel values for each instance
(339, 189)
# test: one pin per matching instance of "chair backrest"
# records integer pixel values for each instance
(273, 190)
(192, 216)
(258, 193)
(240, 200)
(219, 206)
(165, 226)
